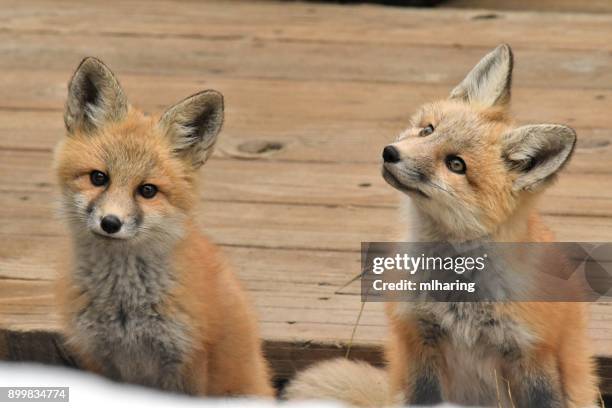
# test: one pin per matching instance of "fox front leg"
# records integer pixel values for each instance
(536, 384)
(172, 379)
(415, 368)
(426, 389)
(425, 378)
(538, 391)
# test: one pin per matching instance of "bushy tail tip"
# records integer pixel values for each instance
(353, 382)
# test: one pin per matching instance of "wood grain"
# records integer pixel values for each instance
(592, 6)
(313, 92)
(366, 24)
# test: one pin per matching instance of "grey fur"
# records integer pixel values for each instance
(426, 390)
(121, 324)
(479, 344)
(130, 323)
(481, 339)
(193, 125)
(95, 97)
(473, 340)
(538, 391)
(431, 332)
(469, 324)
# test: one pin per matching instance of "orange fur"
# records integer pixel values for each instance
(562, 348)
(535, 353)
(228, 360)
(224, 355)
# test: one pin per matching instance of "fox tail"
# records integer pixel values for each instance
(355, 383)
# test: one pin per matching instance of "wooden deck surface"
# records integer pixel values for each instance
(313, 92)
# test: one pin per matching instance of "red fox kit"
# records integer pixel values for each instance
(467, 172)
(148, 299)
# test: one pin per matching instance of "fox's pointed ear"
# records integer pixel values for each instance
(537, 153)
(488, 83)
(94, 97)
(193, 125)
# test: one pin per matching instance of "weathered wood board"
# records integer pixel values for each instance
(313, 93)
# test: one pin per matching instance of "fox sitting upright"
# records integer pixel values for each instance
(148, 299)
(468, 173)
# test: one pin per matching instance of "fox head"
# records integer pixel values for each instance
(463, 163)
(124, 175)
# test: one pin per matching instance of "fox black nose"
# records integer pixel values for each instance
(391, 154)
(110, 224)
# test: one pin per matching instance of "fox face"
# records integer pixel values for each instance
(462, 161)
(125, 176)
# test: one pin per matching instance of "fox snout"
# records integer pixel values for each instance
(391, 154)
(112, 220)
(110, 224)
(403, 173)
(413, 156)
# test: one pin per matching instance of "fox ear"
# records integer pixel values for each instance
(537, 153)
(94, 97)
(193, 125)
(488, 83)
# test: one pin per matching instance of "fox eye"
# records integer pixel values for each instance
(455, 164)
(147, 190)
(427, 130)
(98, 178)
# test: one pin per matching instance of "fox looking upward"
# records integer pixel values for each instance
(148, 299)
(467, 172)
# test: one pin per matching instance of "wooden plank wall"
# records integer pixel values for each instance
(313, 92)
